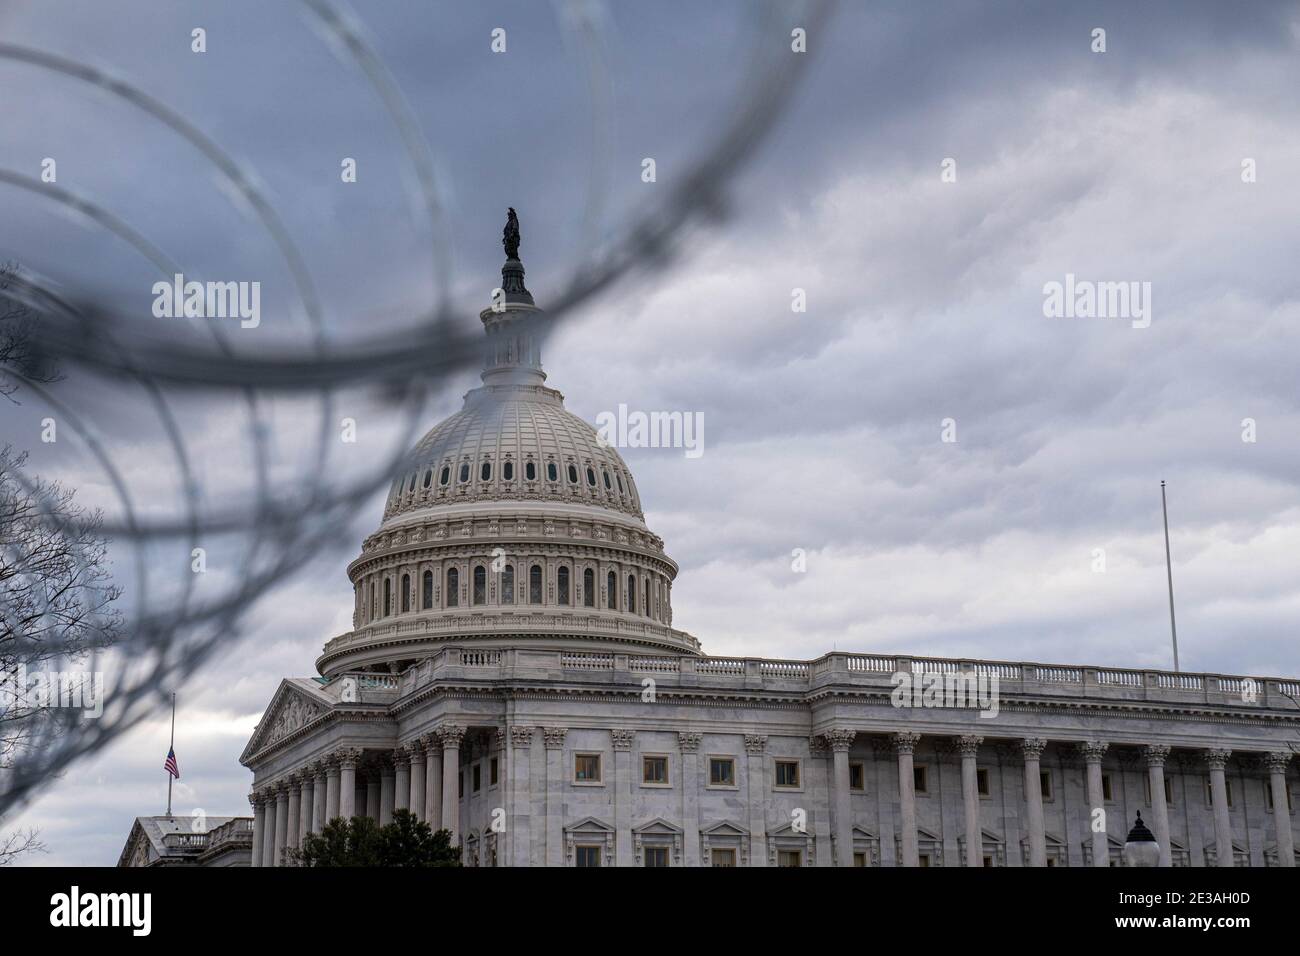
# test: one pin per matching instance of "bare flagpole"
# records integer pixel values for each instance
(1169, 573)
(171, 747)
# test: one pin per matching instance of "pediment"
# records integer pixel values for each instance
(788, 830)
(658, 826)
(292, 708)
(589, 825)
(725, 828)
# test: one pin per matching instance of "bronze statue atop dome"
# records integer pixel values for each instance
(510, 235)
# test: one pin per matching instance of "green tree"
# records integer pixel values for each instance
(361, 842)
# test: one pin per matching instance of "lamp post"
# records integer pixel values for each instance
(1141, 848)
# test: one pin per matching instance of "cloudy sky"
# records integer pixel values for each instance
(823, 429)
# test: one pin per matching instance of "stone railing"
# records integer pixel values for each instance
(1015, 679)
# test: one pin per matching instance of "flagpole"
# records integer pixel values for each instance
(1169, 573)
(172, 746)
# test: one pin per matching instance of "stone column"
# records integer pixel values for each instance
(621, 740)
(259, 826)
(690, 748)
(320, 799)
(348, 783)
(553, 737)
(331, 790)
(416, 751)
(968, 746)
(1216, 760)
(387, 790)
(281, 823)
(1032, 749)
(840, 742)
(451, 735)
(904, 743)
(373, 795)
(1277, 763)
(308, 804)
(1156, 755)
(268, 841)
(755, 749)
(402, 796)
(295, 808)
(521, 738)
(433, 781)
(1093, 751)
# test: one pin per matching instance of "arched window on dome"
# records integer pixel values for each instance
(464, 472)
(485, 472)
(645, 605)
(611, 592)
(573, 474)
(372, 600)
(480, 584)
(388, 596)
(427, 603)
(591, 477)
(508, 584)
(535, 584)
(605, 473)
(406, 593)
(445, 477)
(508, 471)
(453, 587)
(562, 584)
(530, 471)
(631, 594)
(428, 478)
(616, 475)
(552, 474)
(588, 588)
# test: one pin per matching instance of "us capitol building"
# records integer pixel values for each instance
(514, 676)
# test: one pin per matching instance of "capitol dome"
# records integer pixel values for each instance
(510, 525)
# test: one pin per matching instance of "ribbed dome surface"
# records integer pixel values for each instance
(514, 443)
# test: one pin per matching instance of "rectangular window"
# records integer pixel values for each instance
(586, 856)
(789, 858)
(923, 860)
(857, 776)
(656, 856)
(460, 784)
(859, 858)
(722, 772)
(720, 857)
(586, 768)
(982, 782)
(1268, 794)
(478, 777)
(1169, 791)
(494, 768)
(1209, 792)
(988, 862)
(920, 780)
(1105, 787)
(787, 774)
(654, 771)
(1045, 784)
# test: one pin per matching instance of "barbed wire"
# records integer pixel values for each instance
(165, 642)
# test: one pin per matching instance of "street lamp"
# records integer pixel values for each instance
(1141, 848)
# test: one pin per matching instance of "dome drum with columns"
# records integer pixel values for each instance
(512, 523)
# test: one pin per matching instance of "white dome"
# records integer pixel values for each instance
(517, 443)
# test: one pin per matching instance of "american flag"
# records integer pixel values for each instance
(170, 765)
